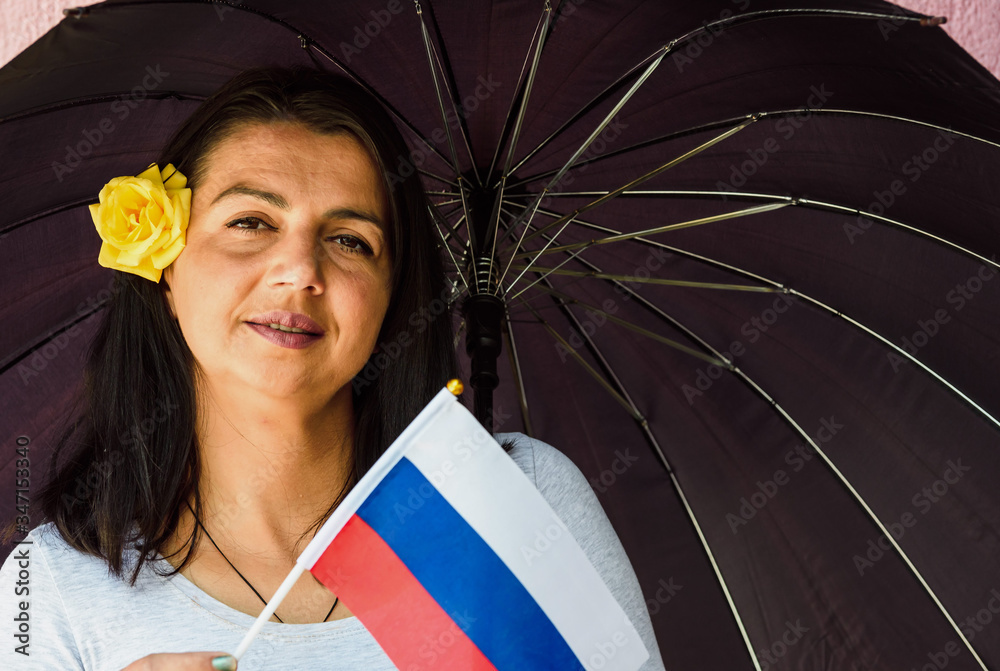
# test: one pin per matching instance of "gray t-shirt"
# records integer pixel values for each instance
(80, 617)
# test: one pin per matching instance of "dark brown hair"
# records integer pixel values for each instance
(133, 442)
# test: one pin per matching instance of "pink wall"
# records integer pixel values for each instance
(975, 24)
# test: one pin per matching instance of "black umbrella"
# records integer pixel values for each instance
(740, 257)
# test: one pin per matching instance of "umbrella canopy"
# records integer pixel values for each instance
(745, 252)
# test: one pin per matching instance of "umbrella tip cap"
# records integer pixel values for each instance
(455, 386)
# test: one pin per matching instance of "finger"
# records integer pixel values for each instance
(184, 661)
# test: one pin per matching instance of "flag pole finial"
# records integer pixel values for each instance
(455, 386)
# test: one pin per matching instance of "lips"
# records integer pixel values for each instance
(289, 320)
(293, 340)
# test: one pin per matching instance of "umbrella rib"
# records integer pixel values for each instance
(781, 287)
(447, 245)
(567, 219)
(609, 195)
(361, 82)
(438, 178)
(601, 96)
(434, 54)
(735, 120)
(871, 513)
(529, 85)
(623, 395)
(515, 366)
(444, 117)
(586, 144)
(634, 327)
(17, 357)
(455, 244)
(802, 202)
(658, 229)
(543, 20)
(452, 230)
(798, 429)
(586, 366)
(653, 280)
(693, 34)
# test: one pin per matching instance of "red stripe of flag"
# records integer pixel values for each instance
(415, 632)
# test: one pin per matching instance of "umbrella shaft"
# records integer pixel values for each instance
(484, 318)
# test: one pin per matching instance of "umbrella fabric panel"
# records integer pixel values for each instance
(725, 82)
(37, 400)
(88, 145)
(192, 47)
(54, 291)
(612, 453)
(763, 554)
(935, 305)
(892, 281)
(799, 513)
(808, 157)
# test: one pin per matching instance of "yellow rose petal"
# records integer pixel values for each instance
(108, 256)
(152, 173)
(142, 220)
(146, 269)
(175, 180)
(167, 255)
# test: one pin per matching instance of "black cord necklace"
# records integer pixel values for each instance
(335, 602)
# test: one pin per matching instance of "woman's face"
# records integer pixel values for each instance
(285, 221)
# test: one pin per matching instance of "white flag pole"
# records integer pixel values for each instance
(269, 609)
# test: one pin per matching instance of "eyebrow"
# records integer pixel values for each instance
(282, 204)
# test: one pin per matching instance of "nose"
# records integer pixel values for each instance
(296, 262)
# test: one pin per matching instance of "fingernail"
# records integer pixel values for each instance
(224, 663)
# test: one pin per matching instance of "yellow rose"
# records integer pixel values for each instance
(142, 221)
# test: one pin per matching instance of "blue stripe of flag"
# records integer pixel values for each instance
(463, 574)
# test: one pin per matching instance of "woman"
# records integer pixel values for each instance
(223, 399)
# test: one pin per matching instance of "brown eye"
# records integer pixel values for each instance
(352, 244)
(252, 225)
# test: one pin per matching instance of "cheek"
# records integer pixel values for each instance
(205, 296)
(370, 300)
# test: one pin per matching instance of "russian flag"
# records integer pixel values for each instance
(452, 559)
